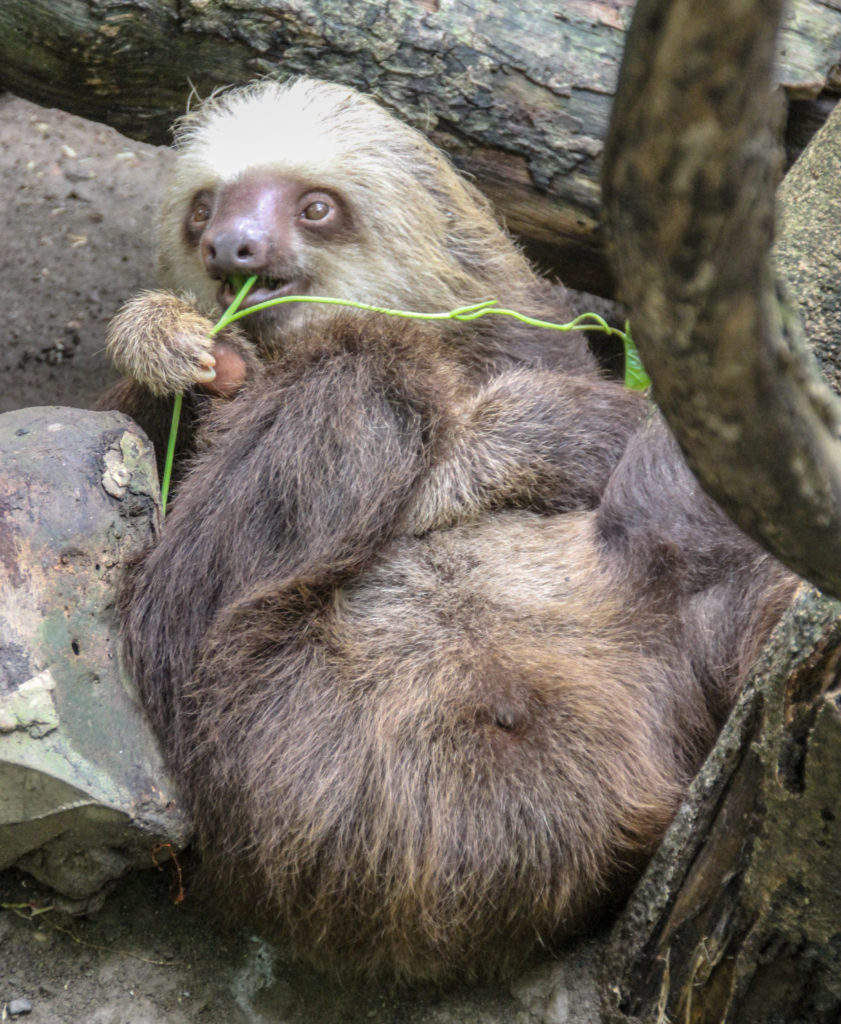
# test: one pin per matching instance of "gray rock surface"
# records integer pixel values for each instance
(83, 792)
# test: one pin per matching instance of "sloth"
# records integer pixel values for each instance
(439, 626)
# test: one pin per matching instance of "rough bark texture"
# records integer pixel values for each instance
(808, 246)
(690, 171)
(738, 920)
(518, 93)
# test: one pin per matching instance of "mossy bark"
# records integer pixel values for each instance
(84, 794)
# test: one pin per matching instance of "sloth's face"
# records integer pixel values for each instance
(283, 231)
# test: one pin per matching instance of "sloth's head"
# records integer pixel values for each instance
(317, 190)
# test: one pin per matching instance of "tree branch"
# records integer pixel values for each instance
(689, 175)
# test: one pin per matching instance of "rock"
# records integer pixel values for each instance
(83, 790)
(17, 1007)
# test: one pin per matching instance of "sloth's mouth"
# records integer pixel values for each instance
(263, 289)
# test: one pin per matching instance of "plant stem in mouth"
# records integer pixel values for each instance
(236, 282)
(243, 285)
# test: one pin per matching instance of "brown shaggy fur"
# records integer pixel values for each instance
(440, 626)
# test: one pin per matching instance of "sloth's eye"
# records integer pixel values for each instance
(199, 215)
(317, 210)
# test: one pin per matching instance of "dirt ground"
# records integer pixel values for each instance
(77, 223)
(77, 227)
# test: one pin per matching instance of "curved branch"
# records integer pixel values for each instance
(689, 175)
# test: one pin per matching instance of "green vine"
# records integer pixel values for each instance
(635, 376)
(170, 450)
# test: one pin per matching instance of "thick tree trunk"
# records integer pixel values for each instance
(518, 92)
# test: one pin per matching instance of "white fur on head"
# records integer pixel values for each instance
(423, 237)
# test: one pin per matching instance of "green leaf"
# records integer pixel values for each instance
(635, 376)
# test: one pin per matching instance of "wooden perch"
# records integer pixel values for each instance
(519, 92)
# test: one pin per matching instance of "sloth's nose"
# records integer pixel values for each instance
(239, 249)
